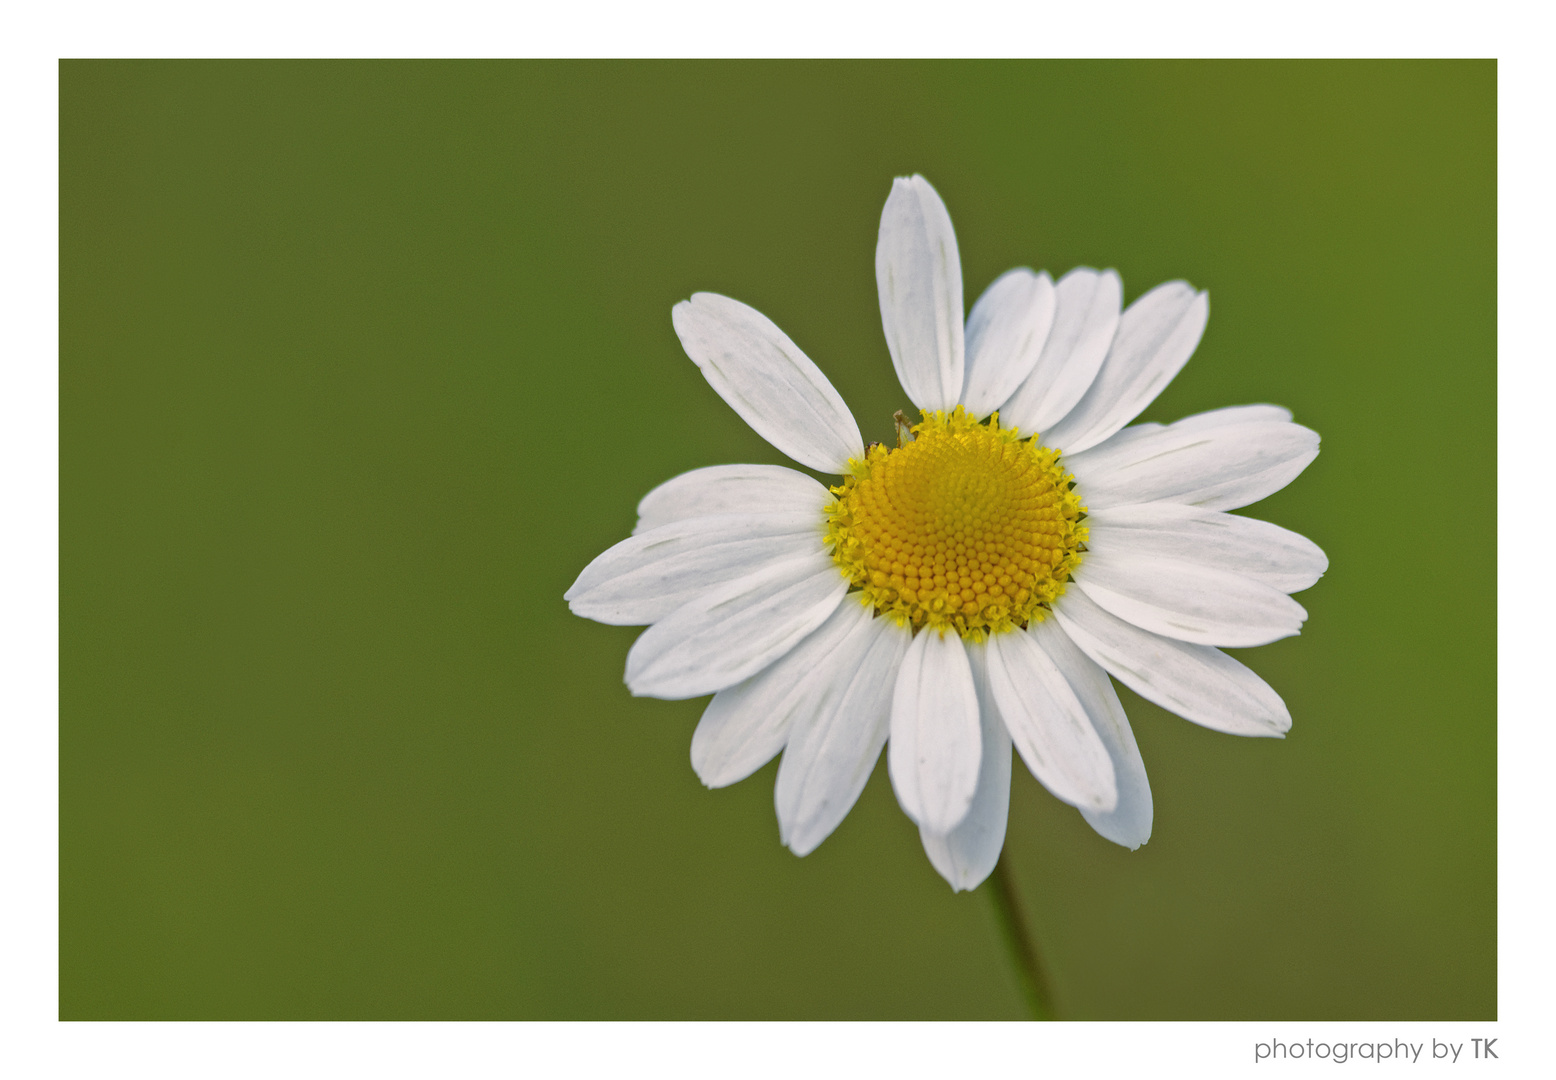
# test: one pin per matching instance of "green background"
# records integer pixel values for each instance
(361, 363)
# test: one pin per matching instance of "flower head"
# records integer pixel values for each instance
(971, 589)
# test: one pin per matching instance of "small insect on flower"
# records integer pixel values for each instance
(972, 587)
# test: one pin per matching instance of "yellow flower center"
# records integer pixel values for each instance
(967, 527)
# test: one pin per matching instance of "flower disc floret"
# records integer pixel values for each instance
(968, 527)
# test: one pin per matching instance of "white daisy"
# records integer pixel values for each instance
(968, 590)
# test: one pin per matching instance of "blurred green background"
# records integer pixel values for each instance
(362, 362)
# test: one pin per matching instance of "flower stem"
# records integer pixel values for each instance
(1020, 943)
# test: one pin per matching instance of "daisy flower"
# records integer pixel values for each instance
(972, 588)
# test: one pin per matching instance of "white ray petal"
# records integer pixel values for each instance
(1005, 336)
(646, 577)
(1048, 723)
(1214, 466)
(833, 746)
(1087, 306)
(1128, 823)
(1189, 601)
(936, 749)
(745, 725)
(1234, 414)
(730, 489)
(735, 630)
(1255, 549)
(918, 274)
(1156, 336)
(1198, 682)
(765, 378)
(967, 854)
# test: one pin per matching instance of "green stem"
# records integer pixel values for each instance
(1020, 943)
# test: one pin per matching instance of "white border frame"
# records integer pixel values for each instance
(41, 1046)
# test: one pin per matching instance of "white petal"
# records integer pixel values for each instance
(1234, 414)
(1188, 601)
(765, 378)
(1086, 313)
(1130, 434)
(936, 750)
(745, 725)
(918, 274)
(1255, 549)
(732, 632)
(730, 489)
(966, 855)
(1197, 682)
(1215, 466)
(833, 746)
(1156, 336)
(646, 577)
(1049, 725)
(1128, 823)
(1005, 336)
